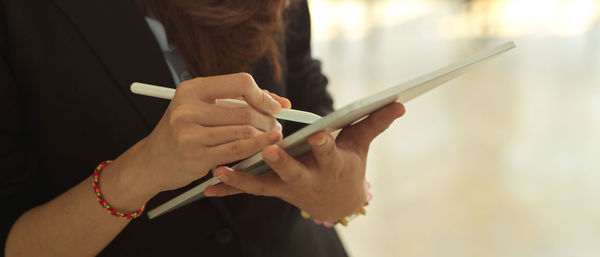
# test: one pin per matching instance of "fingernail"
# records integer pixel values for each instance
(278, 127)
(321, 141)
(274, 156)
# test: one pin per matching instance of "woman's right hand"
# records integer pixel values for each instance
(195, 135)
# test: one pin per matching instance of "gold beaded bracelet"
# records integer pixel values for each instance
(344, 221)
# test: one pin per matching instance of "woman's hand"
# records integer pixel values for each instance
(195, 135)
(328, 183)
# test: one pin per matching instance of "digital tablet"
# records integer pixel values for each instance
(296, 145)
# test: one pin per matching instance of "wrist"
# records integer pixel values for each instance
(120, 191)
(123, 185)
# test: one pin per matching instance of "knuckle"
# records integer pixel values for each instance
(246, 83)
(185, 84)
(246, 116)
(208, 134)
(245, 86)
(245, 78)
(201, 116)
(233, 179)
(181, 114)
(238, 150)
(264, 100)
(246, 132)
(188, 84)
(329, 147)
(174, 119)
(182, 138)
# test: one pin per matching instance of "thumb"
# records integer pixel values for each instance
(361, 134)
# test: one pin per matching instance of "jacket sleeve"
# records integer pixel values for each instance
(307, 86)
(18, 172)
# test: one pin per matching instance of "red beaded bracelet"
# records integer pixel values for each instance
(104, 204)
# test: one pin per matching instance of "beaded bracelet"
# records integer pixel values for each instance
(344, 221)
(104, 204)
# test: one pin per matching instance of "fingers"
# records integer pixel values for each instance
(213, 136)
(221, 190)
(288, 169)
(244, 148)
(285, 103)
(267, 184)
(224, 116)
(365, 131)
(324, 150)
(239, 85)
(236, 85)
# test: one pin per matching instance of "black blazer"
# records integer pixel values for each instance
(65, 106)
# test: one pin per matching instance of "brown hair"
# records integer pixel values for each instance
(216, 37)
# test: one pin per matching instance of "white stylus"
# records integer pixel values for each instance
(168, 93)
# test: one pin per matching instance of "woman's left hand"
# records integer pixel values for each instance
(328, 183)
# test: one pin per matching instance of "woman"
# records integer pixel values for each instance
(64, 76)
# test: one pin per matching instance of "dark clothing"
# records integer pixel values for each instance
(65, 106)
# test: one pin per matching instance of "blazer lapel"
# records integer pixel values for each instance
(117, 32)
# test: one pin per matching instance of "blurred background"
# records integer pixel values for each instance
(503, 161)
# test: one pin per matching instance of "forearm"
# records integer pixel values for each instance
(74, 224)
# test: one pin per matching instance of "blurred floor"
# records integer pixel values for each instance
(503, 161)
